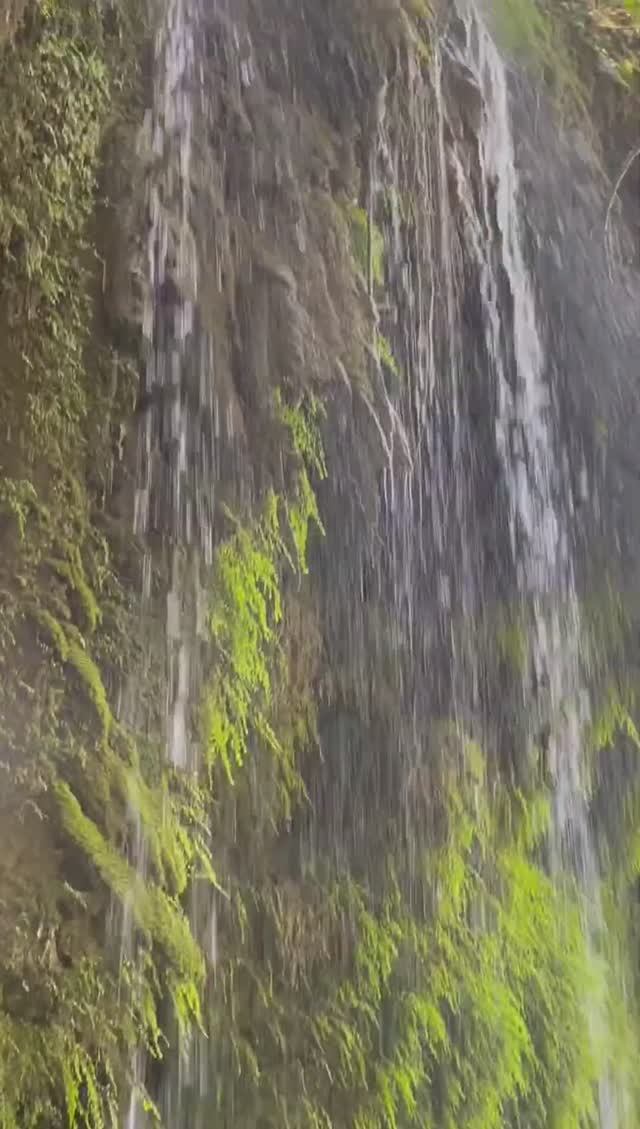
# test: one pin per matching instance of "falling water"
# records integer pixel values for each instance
(428, 551)
(534, 468)
(175, 484)
(175, 443)
(532, 465)
(480, 241)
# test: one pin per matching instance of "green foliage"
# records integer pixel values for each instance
(174, 819)
(613, 29)
(59, 84)
(385, 354)
(16, 499)
(64, 1068)
(613, 720)
(303, 422)
(51, 168)
(66, 1073)
(66, 1026)
(156, 914)
(366, 240)
(246, 610)
(72, 570)
(302, 515)
(70, 647)
(573, 44)
(463, 1005)
(55, 95)
(529, 30)
(247, 606)
(246, 613)
(523, 25)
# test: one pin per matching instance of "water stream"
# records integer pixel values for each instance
(175, 484)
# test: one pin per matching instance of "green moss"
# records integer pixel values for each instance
(155, 913)
(247, 603)
(385, 354)
(461, 1000)
(367, 243)
(512, 645)
(64, 1068)
(529, 30)
(303, 421)
(246, 610)
(302, 515)
(67, 1028)
(174, 818)
(16, 499)
(70, 647)
(73, 572)
(614, 719)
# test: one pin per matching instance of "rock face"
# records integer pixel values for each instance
(315, 473)
(11, 13)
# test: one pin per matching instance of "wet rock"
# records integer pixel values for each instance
(11, 13)
(465, 98)
(457, 31)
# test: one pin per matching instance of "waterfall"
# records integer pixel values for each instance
(534, 468)
(176, 479)
(435, 552)
(320, 560)
(479, 243)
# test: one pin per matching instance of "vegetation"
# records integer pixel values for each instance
(341, 1003)
(577, 46)
(63, 1025)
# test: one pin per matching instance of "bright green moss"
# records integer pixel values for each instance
(155, 913)
(385, 355)
(69, 645)
(247, 604)
(303, 422)
(468, 1012)
(368, 244)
